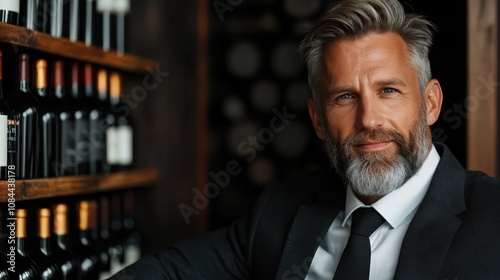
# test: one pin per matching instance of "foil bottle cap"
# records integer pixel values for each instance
(60, 219)
(44, 222)
(41, 73)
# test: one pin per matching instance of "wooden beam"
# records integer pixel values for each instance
(22, 38)
(481, 102)
(76, 185)
(202, 105)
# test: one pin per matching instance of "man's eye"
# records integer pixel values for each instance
(388, 90)
(345, 96)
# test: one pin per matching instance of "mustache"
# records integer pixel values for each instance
(374, 135)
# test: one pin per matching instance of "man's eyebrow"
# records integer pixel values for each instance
(380, 83)
(341, 89)
(390, 82)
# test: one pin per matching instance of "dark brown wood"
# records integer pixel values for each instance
(482, 108)
(34, 40)
(202, 105)
(75, 185)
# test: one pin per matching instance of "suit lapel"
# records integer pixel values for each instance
(308, 230)
(432, 229)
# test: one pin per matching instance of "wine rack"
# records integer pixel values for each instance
(29, 40)
(76, 185)
(62, 47)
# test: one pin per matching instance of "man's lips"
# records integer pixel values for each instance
(372, 145)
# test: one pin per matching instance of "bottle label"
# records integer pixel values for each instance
(10, 5)
(3, 140)
(104, 5)
(122, 6)
(124, 145)
(112, 142)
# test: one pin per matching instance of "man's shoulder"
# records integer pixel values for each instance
(482, 192)
(478, 181)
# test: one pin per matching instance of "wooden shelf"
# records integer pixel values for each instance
(74, 185)
(34, 40)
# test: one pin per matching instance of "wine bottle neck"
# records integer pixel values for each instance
(85, 238)
(75, 91)
(24, 86)
(89, 91)
(45, 246)
(42, 92)
(61, 241)
(21, 246)
(59, 92)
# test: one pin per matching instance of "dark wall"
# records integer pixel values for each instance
(165, 124)
(449, 65)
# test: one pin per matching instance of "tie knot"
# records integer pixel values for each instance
(365, 221)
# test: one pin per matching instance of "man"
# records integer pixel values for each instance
(373, 102)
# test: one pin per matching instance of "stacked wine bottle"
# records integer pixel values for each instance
(84, 239)
(58, 124)
(95, 22)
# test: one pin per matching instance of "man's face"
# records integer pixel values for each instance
(372, 109)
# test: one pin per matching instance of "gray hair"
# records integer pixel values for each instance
(355, 18)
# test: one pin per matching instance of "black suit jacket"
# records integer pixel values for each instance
(455, 233)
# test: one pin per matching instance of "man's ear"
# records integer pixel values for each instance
(316, 119)
(433, 101)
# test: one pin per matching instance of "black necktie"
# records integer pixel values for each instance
(355, 261)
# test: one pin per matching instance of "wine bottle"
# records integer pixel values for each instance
(120, 130)
(42, 256)
(25, 268)
(9, 11)
(89, 25)
(43, 16)
(114, 246)
(97, 244)
(67, 260)
(48, 121)
(56, 18)
(67, 158)
(104, 10)
(104, 235)
(81, 116)
(133, 238)
(117, 232)
(30, 16)
(98, 126)
(23, 127)
(74, 19)
(122, 9)
(89, 259)
(4, 128)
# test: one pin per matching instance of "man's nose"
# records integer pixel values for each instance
(369, 113)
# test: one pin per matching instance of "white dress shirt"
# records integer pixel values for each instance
(398, 209)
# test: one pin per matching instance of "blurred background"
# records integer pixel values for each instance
(232, 65)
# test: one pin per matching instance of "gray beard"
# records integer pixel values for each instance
(379, 173)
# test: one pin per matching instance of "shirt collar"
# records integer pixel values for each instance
(397, 205)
